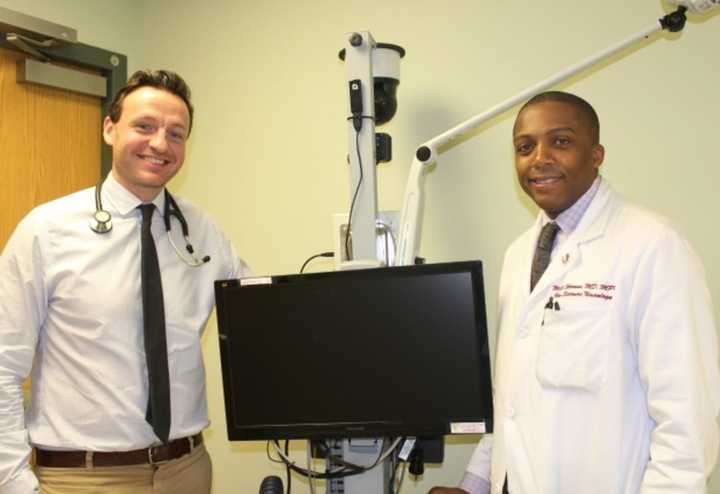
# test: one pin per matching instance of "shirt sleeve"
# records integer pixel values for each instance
(479, 467)
(676, 343)
(472, 484)
(233, 265)
(22, 303)
(240, 268)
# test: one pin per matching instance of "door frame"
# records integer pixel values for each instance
(110, 65)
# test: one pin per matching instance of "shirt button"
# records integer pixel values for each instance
(510, 412)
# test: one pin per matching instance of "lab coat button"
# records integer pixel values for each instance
(510, 412)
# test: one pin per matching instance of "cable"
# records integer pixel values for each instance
(267, 452)
(352, 204)
(311, 482)
(346, 470)
(394, 462)
(274, 460)
(381, 457)
(335, 474)
(387, 231)
(287, 467)
(357, 125)
(395, 484)
(402, 477)
(338, 460)
(392, 447)
(322, 254)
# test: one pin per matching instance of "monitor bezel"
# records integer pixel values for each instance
(319, 430)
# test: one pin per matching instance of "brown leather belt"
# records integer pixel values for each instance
(89, 459)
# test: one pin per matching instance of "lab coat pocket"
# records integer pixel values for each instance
(573, 351)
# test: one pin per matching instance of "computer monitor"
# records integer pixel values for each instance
(399, 351)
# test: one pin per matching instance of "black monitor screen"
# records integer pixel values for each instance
(374, 352)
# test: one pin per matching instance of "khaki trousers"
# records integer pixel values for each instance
(190, 474)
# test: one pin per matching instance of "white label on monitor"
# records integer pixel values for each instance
(261, 280)
(467, 428)
(407, 448)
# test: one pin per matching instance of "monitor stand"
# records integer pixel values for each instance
(360, 452)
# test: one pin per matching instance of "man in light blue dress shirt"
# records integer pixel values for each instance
(71, 316)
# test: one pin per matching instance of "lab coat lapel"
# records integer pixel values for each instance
(569, 257)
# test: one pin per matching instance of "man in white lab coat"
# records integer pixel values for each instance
(606, 376)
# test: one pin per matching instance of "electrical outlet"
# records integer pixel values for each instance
(386, 238)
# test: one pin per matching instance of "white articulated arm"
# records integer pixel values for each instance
(411, 215)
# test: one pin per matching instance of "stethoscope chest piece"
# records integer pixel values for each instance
(101, 221)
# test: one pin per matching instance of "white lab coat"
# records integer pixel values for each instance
(618, 390)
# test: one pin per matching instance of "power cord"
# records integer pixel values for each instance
(287, 468)
(322, 254)
(357, 125)
(311, 479)
(334, 474)
(357, 190)
(345, 470)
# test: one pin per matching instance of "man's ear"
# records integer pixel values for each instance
(108, 128)
(598, 155)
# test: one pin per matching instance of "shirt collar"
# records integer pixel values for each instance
(122, 200)
(569, 219)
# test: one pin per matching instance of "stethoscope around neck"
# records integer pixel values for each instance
(101, 223)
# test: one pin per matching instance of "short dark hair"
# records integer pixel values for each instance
(159, 79)
(584, 108)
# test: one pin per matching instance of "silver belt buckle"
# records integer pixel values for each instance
(151, 460)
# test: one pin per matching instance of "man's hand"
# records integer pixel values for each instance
(446, 490)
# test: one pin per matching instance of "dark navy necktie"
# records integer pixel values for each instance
(158, 408)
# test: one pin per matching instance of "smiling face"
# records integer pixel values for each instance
(148, 140)
(556, 156)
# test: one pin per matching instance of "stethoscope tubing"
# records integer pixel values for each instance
(101, 223)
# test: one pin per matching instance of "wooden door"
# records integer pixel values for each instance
(49, 144)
